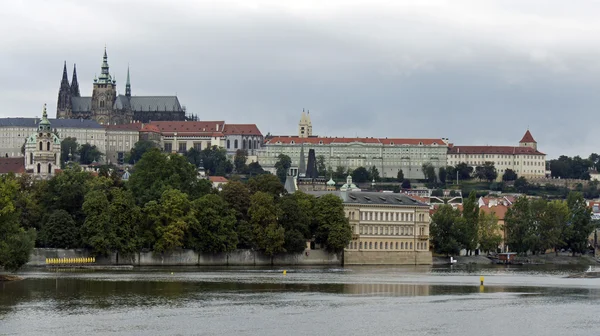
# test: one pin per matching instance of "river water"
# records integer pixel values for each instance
(446, 300)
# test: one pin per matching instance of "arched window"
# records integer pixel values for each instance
(411, 246)
(402, 246)
(235, 144)
(381, 245)
(370, 245)
(228, 144)
(360, 245)
(244, 144)
(386, 245)
(48, 145)
(41, 145)
(102, 103)
(39, 168)
(49, 168)
(30, 158)
(396, 245)
(255, 144)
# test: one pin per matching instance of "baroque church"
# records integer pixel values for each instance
(108, 107)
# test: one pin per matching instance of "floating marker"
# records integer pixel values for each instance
(284, 272)
(481, 280)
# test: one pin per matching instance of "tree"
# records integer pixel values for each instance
(521, 184)
(464, 171)
(406, 184)
(16, 243)
(139, 149)
(60, 231)
(89, 153)
(509, 175)
(169, 219)
(444, 230)
(553, 225)
(442, 175)
(239, 161)
(321, 167)
(518, 223)
(373, 173)
(489, 235)
(68, 150)
(450, 173)
(360, 175)
(333, 228)
(340, 173)
(580, 225)
(282, 165)
(400, 176)
(215, 161)
(66, 191)
(269, 236)
(429, 172)
(266, 183)
(254, 169)
(213, 230)
(470, 228)
(194, 157)
(296, 223)
(237, 196)
(489, 171)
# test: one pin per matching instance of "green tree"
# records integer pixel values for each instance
(194, 157)
(489, 235)
(254, 169)
(89, 153)
(360, 175)
(213, 230)
(406, 184)
(373, 173)
(442, 175)
(445, 224)
(269, 236)
(68, 150)
(333, 227)
(553, 225)
(98, 232)
(580, 225)
(321, 167)
(450, 174)
(239, 161)
(519, 226)
(139, 149)
(489, 171)
(60, 231)
(470, 227)
(521, 185)
(509, 175)
(429, 173)
(266, 183)
(66, 191)
(215, 161)
(295, 222)
(237, 196)
(169, 219)
(340, 173)
(400, 176)
(464, 171)
(16, 243)
(282, 165)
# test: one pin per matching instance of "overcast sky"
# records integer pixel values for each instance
(478, 72)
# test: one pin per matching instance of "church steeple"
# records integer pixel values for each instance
(64, 94)
(128, 85)
(104, 77)
(74, 83)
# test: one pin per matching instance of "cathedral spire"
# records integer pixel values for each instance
(64, 94)
(65, 77)
(104, 77)
(74, 83)
(128, 84)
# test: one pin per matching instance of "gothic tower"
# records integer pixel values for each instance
(104, 95)
(305, 125)
(128, 85)
(74, 83)
(63, 106)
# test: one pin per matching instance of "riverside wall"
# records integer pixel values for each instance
(192, 258)
(388, 258)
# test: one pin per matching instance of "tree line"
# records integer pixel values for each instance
(534, 226)
(162, 207)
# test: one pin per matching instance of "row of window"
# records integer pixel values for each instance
(250, 144)
(388, 216)
(387, 230)
(386, 245)
(492, 156)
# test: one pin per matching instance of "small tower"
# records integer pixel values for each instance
(528, 141)
(104, 95)
(301, 163)
(74, 83)
(128, 85)
(42, 150)
(305, 125)
(63, 106)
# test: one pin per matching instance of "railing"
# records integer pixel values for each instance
(70, 261)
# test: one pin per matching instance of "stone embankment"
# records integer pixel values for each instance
(550, 259)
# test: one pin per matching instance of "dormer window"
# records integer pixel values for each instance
(321, 142)
(420, 143)
(292, 142)
(392, 143)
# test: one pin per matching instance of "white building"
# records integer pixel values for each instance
(42, 150)
(525, 159)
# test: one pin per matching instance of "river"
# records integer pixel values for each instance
(448, 300)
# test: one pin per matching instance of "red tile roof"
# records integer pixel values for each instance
(499, 210)
(125, 127)
(217, 179)
(493, 150)
(241, 129)
(150, 128)
(336, 140)
(527, 137)
(190, 128)
(12, 165)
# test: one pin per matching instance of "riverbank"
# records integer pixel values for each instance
(551, 259)
(9, 277)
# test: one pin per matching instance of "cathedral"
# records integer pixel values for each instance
(108, 107)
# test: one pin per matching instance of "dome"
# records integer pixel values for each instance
(331, 182)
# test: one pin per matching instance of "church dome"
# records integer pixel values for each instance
(331, 182)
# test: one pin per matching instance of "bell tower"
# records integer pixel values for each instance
(104, 95)
(305, 125)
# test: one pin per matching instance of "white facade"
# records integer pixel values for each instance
(42, 150)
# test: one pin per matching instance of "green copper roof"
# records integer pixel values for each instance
(44, 123)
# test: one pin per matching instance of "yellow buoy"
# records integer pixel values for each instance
(171, 273)
(481, 280)
(284, 272)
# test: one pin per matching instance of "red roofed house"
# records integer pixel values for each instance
(217, 181)
(525, 159)
(242, 136)
(180, 136)
(14, 165)
(389, 155)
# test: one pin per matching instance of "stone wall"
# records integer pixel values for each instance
(191, 258)
(387, 258)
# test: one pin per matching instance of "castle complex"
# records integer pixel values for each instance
(108, 107)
